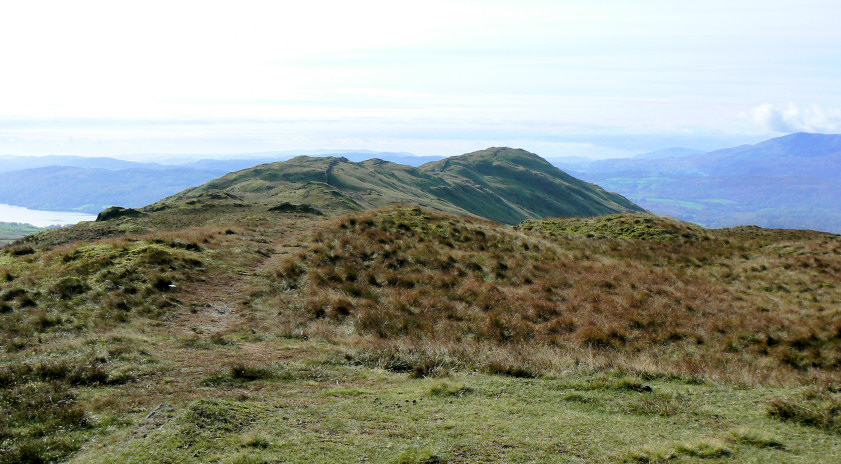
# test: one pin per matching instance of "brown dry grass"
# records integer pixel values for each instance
(423, 291)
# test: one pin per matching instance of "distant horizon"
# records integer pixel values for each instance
(179, 158)
(573, 146)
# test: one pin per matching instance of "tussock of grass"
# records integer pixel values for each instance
(705, 449)
(578, 398)
(814, 408)
(256, 440)
(210, 416)
(18, 250)
(626, 383)
(448, 389)
(755, 439)
(658, 404)
(608, 380)
(415, 455)
(649, 455)
(240, 372)
(247, 372)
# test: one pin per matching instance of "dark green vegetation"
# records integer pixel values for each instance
(502, 184)
(115, 212)
(11, 232)
(789, 182)
(211, 328)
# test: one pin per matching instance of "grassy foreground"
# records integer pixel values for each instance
(286, 337)
(312, 407)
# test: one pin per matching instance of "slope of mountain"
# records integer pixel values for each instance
(502, 184)
(801, 154)
(510, 185)
(786, 182)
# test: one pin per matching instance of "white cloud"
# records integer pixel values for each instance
(792, 118)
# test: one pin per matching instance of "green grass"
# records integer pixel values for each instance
(396, 418)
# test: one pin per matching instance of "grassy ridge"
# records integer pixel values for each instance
(502, 184)
(214, 330)
(510, 185)
(618, 226)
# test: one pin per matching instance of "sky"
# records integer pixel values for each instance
(600, 78)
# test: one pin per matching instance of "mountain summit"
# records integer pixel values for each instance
(503, 184)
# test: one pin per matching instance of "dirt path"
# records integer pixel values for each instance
(215, 310)
(217, 303)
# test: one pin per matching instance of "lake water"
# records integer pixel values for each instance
(9, 213)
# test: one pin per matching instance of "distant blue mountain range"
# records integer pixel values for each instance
(786, 182)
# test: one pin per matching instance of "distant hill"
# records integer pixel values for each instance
(503, 184)
(10, 232)
(76, 183)
(17, 163)
(62, 188)
(786, 182)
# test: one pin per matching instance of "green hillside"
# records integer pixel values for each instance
(10, 232)
(502, 184)
(510, 185)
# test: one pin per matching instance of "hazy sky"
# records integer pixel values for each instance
(594, 78)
